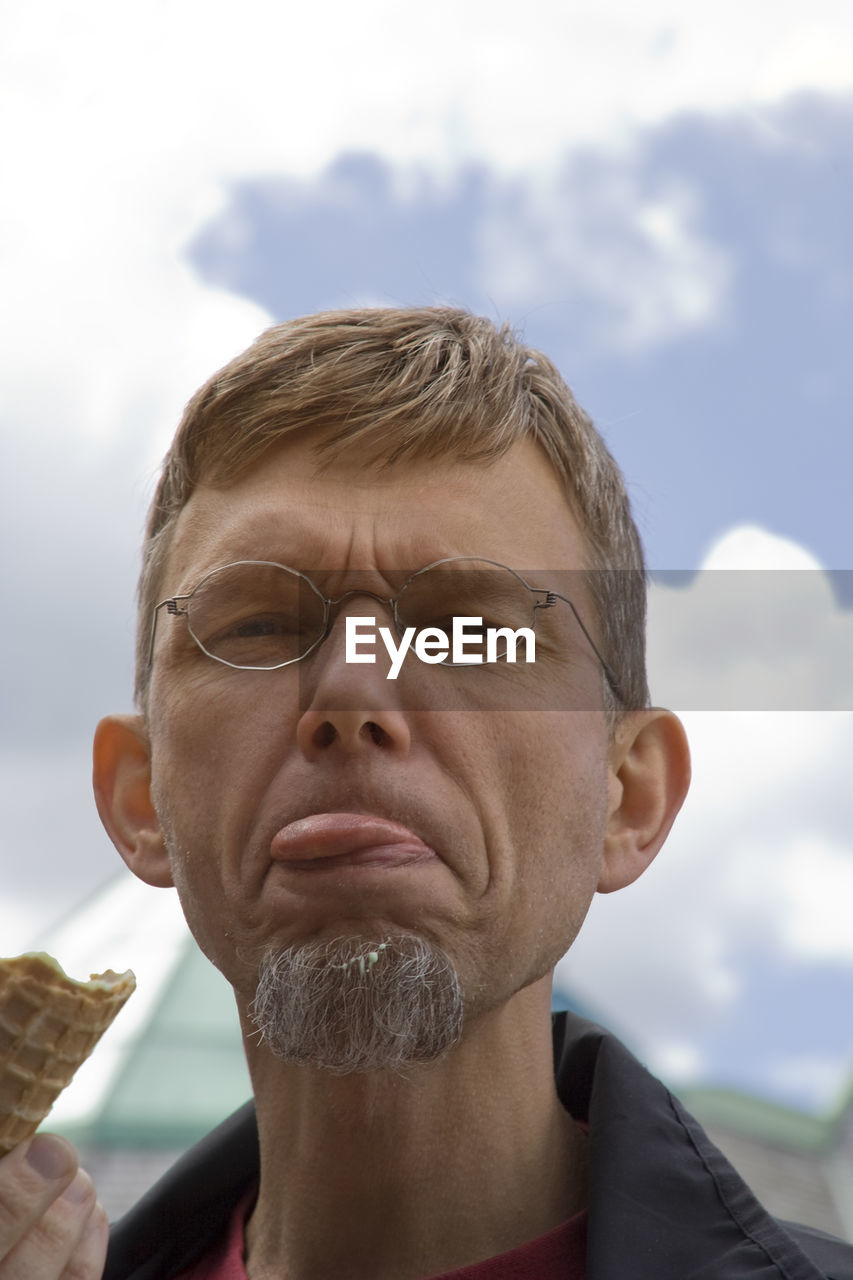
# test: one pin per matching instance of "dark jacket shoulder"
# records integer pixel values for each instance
(184, 1213)
(664, 1203)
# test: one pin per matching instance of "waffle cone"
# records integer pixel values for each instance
(49, 1024)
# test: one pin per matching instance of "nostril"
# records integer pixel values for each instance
(375, 732)
(325, 734)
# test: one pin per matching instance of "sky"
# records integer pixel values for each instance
(660, 198)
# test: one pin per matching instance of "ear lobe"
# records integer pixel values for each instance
(649, 777)
(122, 782)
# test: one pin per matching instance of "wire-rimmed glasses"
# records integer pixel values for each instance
(258, 615)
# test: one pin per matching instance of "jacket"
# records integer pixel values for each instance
(664, 1203)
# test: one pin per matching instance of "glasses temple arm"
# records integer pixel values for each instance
(171, 606)
(610, 674)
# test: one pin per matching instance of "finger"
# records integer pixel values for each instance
(31, 1178)
(88, 1258)
(46, 1250)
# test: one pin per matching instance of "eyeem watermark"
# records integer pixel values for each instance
(470, 643)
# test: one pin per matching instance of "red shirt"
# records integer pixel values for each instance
(559, 1255)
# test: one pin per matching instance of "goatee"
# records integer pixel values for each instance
(350, 1005)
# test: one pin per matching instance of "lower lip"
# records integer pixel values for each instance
(383, 856)
(347, 842)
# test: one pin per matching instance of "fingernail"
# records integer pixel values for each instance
(52, 1157)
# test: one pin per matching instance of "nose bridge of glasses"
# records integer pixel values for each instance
(333, 604)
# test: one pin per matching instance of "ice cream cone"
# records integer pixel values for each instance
(49, 1024)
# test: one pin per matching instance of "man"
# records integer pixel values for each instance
(387, 857)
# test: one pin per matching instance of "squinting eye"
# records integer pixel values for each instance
(263, 625)
(256, 640)
(215, 632)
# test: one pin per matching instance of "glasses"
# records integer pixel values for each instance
(257, 615)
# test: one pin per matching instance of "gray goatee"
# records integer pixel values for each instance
(351, 1005)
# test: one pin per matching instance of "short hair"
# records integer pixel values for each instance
(404, 383)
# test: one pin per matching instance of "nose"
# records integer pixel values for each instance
(350, 708)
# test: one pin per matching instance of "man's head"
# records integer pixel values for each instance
(391, 385)
(320, 801)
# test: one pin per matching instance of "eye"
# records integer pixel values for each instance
(264, 639)
(261, 624)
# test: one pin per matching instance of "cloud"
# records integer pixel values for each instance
(761, 842)
(756, 880)
(287, 89)
(753, 886)
(678, 1060)
(759, 628)
(632, 260)
(106, 330)
(54, 850)
(822, 1076)
(809, 889)
(123, 137)
(105, 179)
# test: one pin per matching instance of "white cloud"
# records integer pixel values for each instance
(758, 628)
(757, 865)
(760, 862)
(759, 837)
(278, 87)
(678, 1061)
(822, 1077)
(122, 129)
(748, 546)
(759, 762)
(638, 261)
(815, 885)
(54, 850)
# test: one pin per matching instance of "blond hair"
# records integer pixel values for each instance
(403, 383)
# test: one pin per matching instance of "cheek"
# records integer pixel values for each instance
(212, 742)
(554, 764)
(557, 797)
(197, 816)
(544, 809)
(211, 766)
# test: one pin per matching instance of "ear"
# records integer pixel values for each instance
(649, 777)
(122, 781)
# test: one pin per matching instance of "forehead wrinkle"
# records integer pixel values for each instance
(204, 541)
(327, 519)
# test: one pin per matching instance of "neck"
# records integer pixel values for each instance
(403, 1175)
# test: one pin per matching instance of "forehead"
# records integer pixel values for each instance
(342, 514)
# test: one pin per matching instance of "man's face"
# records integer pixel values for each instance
(507, 808)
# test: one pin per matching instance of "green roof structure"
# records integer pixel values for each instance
(172, 1066)
(757, 1118)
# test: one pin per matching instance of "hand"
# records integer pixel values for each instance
(51, 1225)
